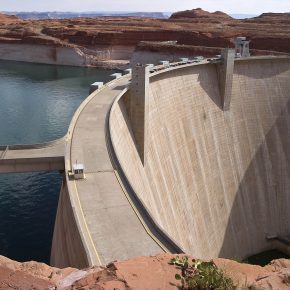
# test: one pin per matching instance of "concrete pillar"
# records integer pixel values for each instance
(242, 47)
(165, 63)
(183, 60)
(116, 75)
(139, 107)
(127, 71)
(95, 86)
(225, 74)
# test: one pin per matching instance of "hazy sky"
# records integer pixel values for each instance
(229, 6)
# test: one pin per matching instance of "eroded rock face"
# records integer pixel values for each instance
(141, 273)
(30, 275)
(194, 27)
(8, 19)
(199, 13)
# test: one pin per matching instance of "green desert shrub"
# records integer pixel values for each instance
(199, 275)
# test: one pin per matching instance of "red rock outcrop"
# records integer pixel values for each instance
(29, 275)
(270, 32)
(199, 13)
(272, 18)
(142, 273)
(8, 19)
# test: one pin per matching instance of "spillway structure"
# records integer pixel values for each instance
(189, 157)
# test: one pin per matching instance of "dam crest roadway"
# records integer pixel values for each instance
(114, 213)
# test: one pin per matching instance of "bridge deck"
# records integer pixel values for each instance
(112, 225)
(38, 157)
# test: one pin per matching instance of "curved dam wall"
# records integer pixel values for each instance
(67, 246)
(216, 181)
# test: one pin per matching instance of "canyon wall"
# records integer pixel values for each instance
(57, 55)
(216, 181)
(42, 54)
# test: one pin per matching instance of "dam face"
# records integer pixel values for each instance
(216, 181)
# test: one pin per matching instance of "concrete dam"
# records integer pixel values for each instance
(215, 174)
(190, 157)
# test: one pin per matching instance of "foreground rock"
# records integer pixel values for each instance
(142, 273)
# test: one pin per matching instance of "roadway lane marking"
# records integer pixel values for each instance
(86, 226)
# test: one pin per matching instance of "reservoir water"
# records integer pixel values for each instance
(36, 105)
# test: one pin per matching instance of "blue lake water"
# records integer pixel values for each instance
(37, 103)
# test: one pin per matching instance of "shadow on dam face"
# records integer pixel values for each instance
(216, 181)
(261, 205)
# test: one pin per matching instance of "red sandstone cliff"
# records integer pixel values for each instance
(142, 273)
(205, 30)
(8, 19)
(193, 27)
(199, 13)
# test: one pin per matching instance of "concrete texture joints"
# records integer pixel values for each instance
(119, 210)
(152, 225)
(96, 252)
(201, 135)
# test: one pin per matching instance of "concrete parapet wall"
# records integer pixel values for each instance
(216, 181)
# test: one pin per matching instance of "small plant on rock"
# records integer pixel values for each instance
(199, 275)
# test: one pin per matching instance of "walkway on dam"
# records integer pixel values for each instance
(36, 157)
(113, 229)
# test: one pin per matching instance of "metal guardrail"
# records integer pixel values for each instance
(33, 146)
(4, 152)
